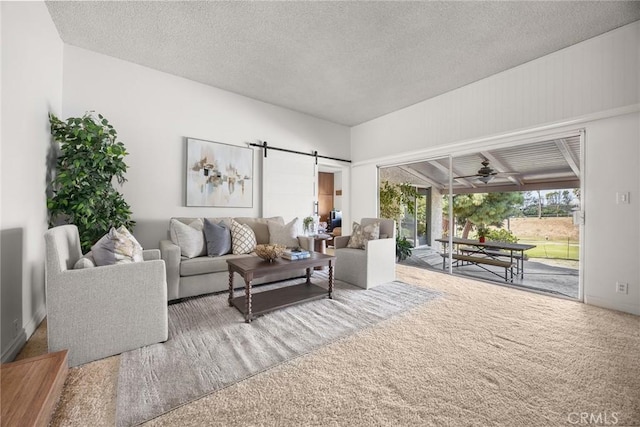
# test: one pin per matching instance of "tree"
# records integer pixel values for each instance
(395, 199)
(553, 198)
(484, 208)
(559, 203)
(532, 204)
(539, 205)
(83, 193)
(421, 215)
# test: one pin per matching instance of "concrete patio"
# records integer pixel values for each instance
(551, 276)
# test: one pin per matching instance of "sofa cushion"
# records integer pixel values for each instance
(243, 239)
(260, 227)
(116, 247)
(189, 237)
(361, 233)
(286, 235)
(86, 261)
(205, 265)
(189, 219)
(218, 237)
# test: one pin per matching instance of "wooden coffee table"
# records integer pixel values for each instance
(249, 268)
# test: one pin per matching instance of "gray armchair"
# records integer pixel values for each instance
(101, 311)
(374, 265)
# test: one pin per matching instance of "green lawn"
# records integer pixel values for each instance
(552, 249)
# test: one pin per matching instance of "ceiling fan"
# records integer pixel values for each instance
(486, 173)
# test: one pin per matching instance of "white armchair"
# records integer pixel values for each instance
(101, 311)
(373, 265)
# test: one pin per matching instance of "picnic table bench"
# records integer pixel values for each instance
(488, 253)
(460, 259)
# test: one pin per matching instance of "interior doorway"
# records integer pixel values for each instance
(326, 185)
(330, 192)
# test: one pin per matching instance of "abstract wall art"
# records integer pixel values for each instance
(219, 175)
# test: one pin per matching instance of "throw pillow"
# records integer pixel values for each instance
(189, 237)
(243, 239)
(286, 235)
(360, 234)
(116, 247)
(218, 238)
(127, 237)
(85, 262)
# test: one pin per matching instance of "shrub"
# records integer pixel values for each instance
(501, 235)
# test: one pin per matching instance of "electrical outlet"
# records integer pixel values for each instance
(621, 287)
(623, 197)
(15, 328)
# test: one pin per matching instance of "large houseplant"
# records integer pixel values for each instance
(395, 199)
(82, 190)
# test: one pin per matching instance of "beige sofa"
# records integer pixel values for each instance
(202, 275)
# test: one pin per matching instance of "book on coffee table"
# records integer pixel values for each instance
(293, 254)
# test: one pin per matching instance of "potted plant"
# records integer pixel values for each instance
(307, 225)
(82, 190)
(482, 233)
(403, 248)
(395, 199)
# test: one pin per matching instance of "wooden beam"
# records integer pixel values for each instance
(568, 156)
(550, 185)
(500, 167)
(418, 175)
(445, 169)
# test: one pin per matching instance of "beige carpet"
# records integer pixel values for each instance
(479, 355)
(210, 347)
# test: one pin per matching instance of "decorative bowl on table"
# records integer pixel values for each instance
(269, 252)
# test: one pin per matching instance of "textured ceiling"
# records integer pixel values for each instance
(347, 62)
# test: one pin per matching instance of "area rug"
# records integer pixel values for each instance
(210, 347)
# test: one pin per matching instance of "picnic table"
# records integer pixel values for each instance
(499, 254)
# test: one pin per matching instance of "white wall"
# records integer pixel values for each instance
(153, 112)
(337, 186)
(593, 85)
(612, 231)
(31, 88)
(596, 75)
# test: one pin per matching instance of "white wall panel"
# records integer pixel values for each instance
(153, 113)
(289, 185)
(364, 198)
(31, 88)
(612, 230)
(596, 75)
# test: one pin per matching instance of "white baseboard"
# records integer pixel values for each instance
(31, 327)
(14, 348)
(25, 333)
(601, 302)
